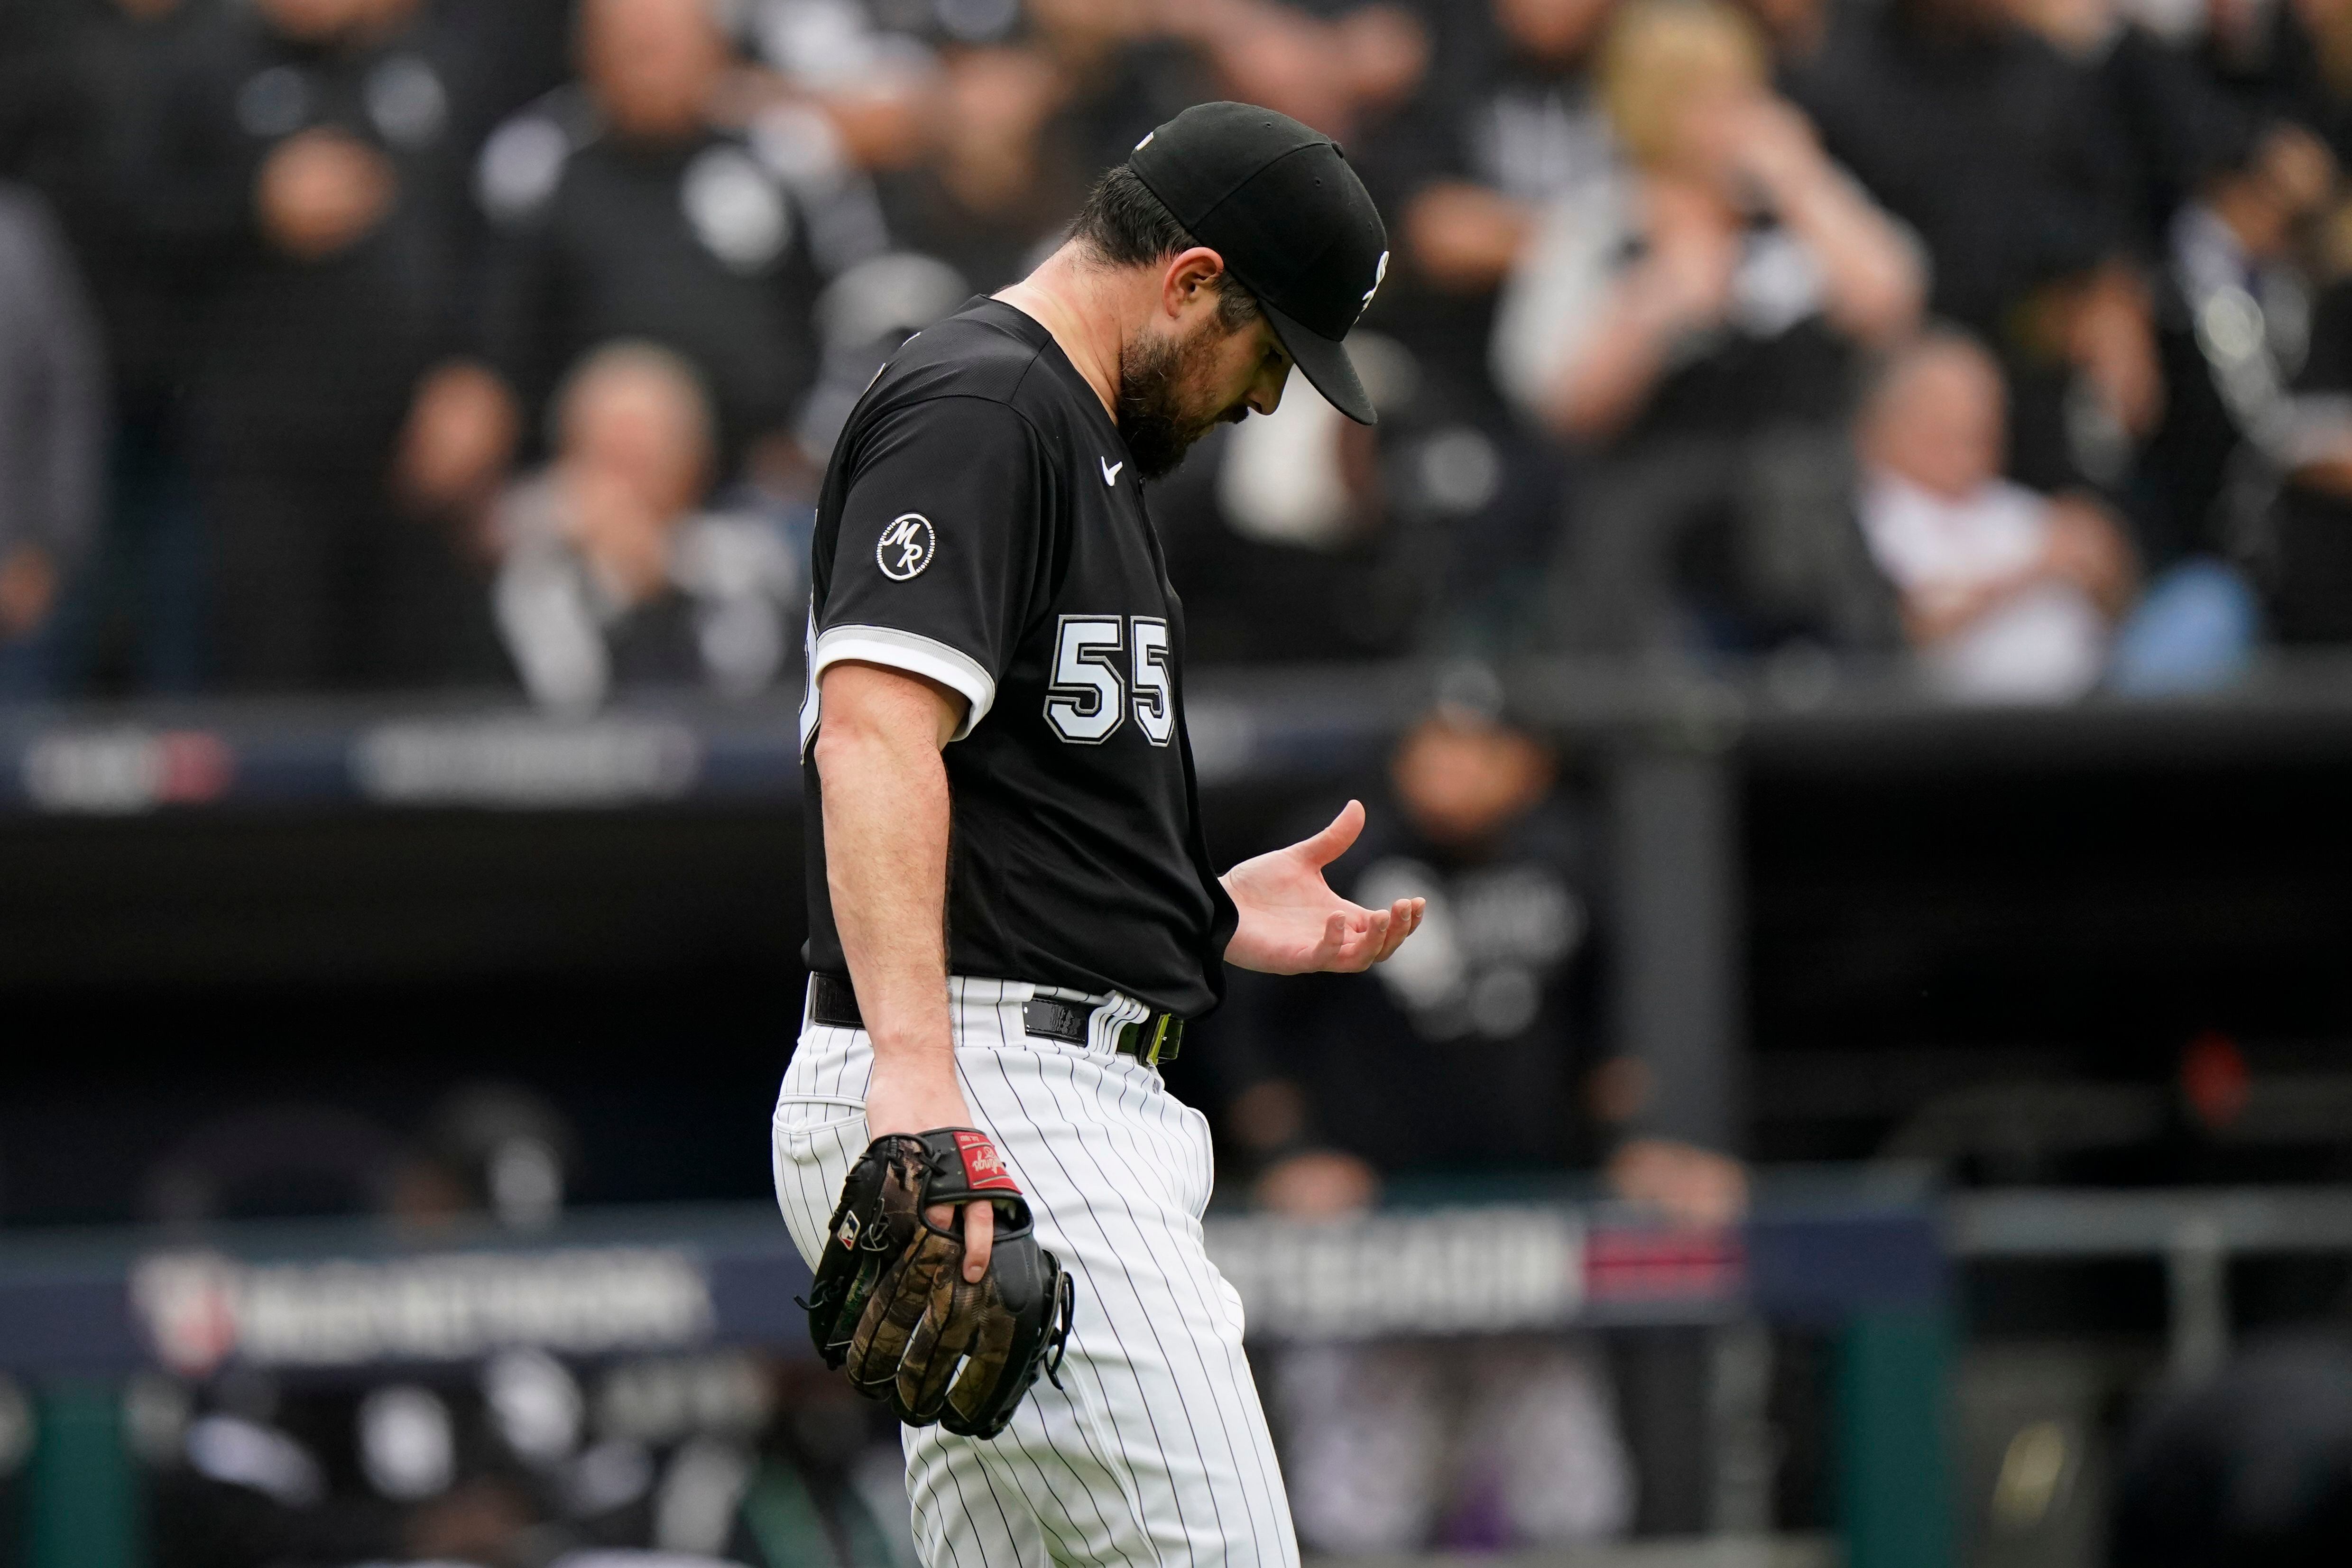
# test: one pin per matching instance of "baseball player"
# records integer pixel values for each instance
(1011, 908)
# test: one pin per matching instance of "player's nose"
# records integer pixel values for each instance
(1265, 393)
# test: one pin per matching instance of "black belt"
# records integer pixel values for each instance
(1151, 1041)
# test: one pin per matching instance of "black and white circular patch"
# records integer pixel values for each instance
(906, 546)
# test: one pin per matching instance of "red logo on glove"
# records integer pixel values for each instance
(982, 1170)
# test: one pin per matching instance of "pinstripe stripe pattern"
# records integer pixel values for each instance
(1155, 1449)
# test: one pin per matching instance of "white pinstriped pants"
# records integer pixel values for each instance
(1154, 1449)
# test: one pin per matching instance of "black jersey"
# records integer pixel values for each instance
(982, 525)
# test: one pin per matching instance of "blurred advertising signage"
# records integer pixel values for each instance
(1437, 1271)
(1630, 1267)
(123, 770)
(198, 1311)
(1471, 1270)
(527, 763)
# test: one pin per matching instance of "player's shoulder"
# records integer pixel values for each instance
(979, 353)
(987, 364)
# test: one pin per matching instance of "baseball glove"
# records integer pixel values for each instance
(891, 1305)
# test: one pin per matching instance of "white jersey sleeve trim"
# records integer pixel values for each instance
(917, 654)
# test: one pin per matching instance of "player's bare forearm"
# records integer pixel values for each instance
(1292, 923)
(885, 838)
(885, 835)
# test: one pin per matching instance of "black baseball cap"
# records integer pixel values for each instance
(1294, 224)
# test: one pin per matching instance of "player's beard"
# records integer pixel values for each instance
(1153, 415)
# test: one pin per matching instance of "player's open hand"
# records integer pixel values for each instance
(1292, 923)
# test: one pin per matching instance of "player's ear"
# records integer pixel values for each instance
(1190, 280)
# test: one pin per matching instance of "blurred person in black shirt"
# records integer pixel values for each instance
(2290, 60)
(314, 147)
(52, 438)
(137, 616)
(1123, 67)
(622, 211)
(2005, 158)
(1694, 320)
(1499, 1032)
(2301, 536)
(1477, 1070)
(504, 56)
(1466, 1060)
(1341, 66)
(2237, 255)
(2173, 124)
(996, 183)
(613, 575)
(2220, 185)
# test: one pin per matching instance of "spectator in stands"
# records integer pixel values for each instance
(502, 55)
(1334, 72)
(870, 69)
(2001, 155)
(2291, 61)
(2236, 259)
(2174, 125)
(2302, 543)
(995, 184)
(612, 576)
(1505, 122)
(1124, 68)
(2006, 593)
(315, 154)
(624, 211)
(1694, 320)
(136, 617)
(1463, 138)
(52, 438)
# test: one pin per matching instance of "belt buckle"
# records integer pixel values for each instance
(1166, 1036)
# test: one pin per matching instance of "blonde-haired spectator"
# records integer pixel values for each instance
(1693, 321)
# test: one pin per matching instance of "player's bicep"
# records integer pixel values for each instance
(933, 558)
(862, 698)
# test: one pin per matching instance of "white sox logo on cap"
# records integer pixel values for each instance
(1379, 276)
(906, 546)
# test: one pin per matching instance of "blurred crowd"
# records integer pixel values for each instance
(352, 344)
